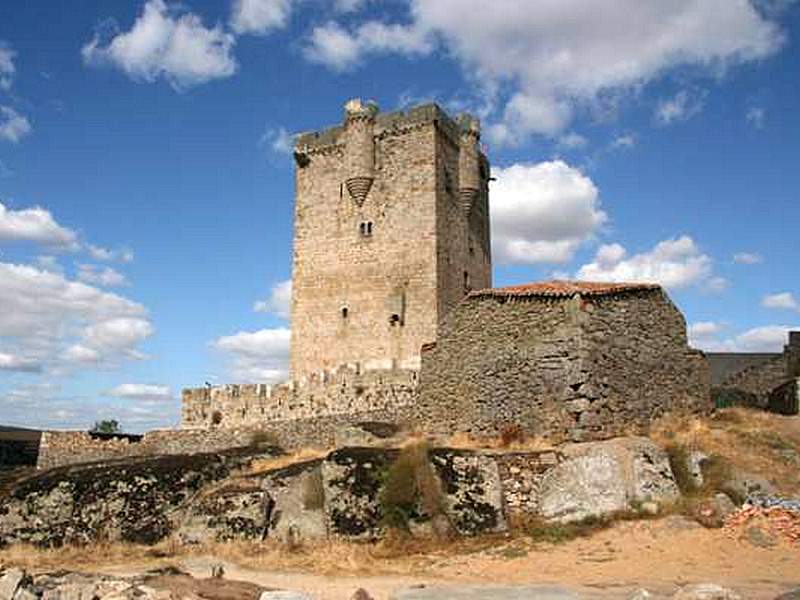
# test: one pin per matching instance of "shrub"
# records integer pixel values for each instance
(679, 463)
(313, 490)
(410, 485)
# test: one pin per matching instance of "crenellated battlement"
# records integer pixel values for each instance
(348, 389)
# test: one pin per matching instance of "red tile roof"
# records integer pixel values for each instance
(564, 289)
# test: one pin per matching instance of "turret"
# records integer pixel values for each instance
(360, 161)
(469, 175)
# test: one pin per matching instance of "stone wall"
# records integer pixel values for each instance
(381, 237)
(749, 378)
(574, 365)
(758, 380)
(59, 448)
(345, 391)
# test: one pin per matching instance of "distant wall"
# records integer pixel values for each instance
(345, 391)
(69, 447)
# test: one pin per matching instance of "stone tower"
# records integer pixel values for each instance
(391, 229)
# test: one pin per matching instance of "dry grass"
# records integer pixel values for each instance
(746, 439)
(463, 441)
(264, 465)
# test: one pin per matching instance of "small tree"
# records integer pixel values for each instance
(106, 426)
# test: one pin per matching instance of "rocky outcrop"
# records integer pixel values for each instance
(601, 478)
(228, 496)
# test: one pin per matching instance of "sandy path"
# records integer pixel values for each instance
(658, 555)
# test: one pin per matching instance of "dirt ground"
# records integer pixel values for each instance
(660, 555)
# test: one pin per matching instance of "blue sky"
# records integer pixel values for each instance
(146, 181)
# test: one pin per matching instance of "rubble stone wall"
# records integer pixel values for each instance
(562, 367)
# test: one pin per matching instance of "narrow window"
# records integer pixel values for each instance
(344, 312)
(365, 228)
(466, 281)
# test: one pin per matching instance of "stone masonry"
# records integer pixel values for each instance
(564, 360)
(391, 230)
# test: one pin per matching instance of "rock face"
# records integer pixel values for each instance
(606, 477)
(218, 497)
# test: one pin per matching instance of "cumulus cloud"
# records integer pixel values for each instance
(35, 225)
(257, 356)
(783, 300)
(7, 69)
(675, 263)
(108, 255)
(13, 126)
(106, 276)
(279, 302)
(747, 258)
(340, 49)
(259, 16)
(542, 212)
(681, 107)
(167, 42)
(142, 391)
(767, 338)
(560, 55)
(60, 324)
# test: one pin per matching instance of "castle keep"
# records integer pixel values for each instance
(391, 229)
(394, 318)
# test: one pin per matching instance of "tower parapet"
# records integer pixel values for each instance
(469, 175)
(360, 157)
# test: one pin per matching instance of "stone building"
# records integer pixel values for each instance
(750, 378)
(576, 360)
(391, 229)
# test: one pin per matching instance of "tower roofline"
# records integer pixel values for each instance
(415, 115)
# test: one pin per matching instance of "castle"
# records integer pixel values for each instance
(394, 318)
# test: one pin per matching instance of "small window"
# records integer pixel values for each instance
(344, 312)
(365, 228)
(466, 281)
(395, 320)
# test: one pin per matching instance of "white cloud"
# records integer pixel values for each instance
(7, 69)
(278, 140)
(767, 338)
(13, 126)
(279, 301)
(554, 56)
(681, 107)
(675, 263)
(756, 116)
(259, 16)
(142, 391)
(747, 258)
(626, 140)
(11, 362)
(572, 141)
(257, 356)
(60, 323)
(783, 300)
(340, 49)
(703, 333)
(108, 255)
(543, 212)
(346, 6)
(106, 277)
(35, 225)
(164, 42)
